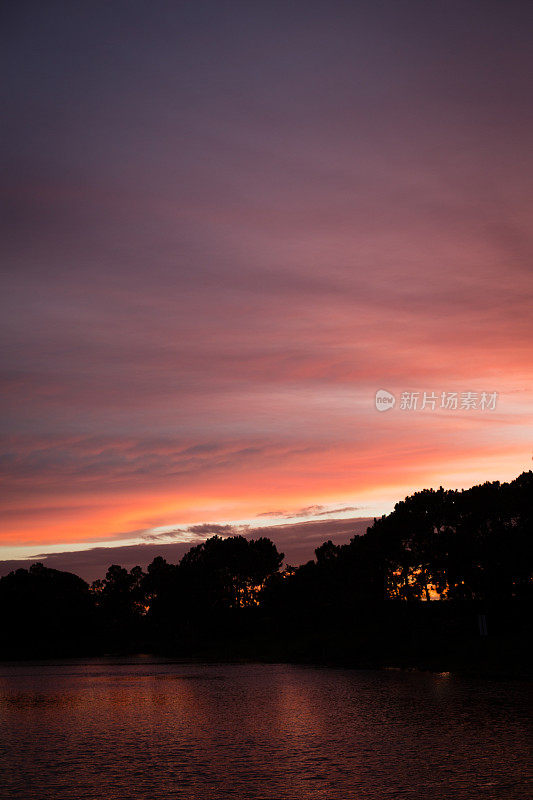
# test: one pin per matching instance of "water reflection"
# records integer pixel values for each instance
(165, 730)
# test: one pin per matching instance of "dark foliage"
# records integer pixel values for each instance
(410, 591)
(45, 612)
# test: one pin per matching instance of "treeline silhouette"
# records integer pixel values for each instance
(444, 581)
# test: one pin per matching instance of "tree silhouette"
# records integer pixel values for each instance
(44, 611)
(472, 549)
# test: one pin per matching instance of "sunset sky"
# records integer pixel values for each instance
(225, 226)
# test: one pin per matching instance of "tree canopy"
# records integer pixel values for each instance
(458, 547)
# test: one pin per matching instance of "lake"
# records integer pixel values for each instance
(121, 729)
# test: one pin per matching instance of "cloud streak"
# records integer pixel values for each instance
(298, 541)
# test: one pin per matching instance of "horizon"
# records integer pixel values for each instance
(296, 540)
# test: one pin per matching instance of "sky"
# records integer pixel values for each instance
(225, 227)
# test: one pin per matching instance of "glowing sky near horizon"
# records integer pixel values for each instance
(225, 226)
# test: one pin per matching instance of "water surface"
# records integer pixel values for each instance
(154, 729)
